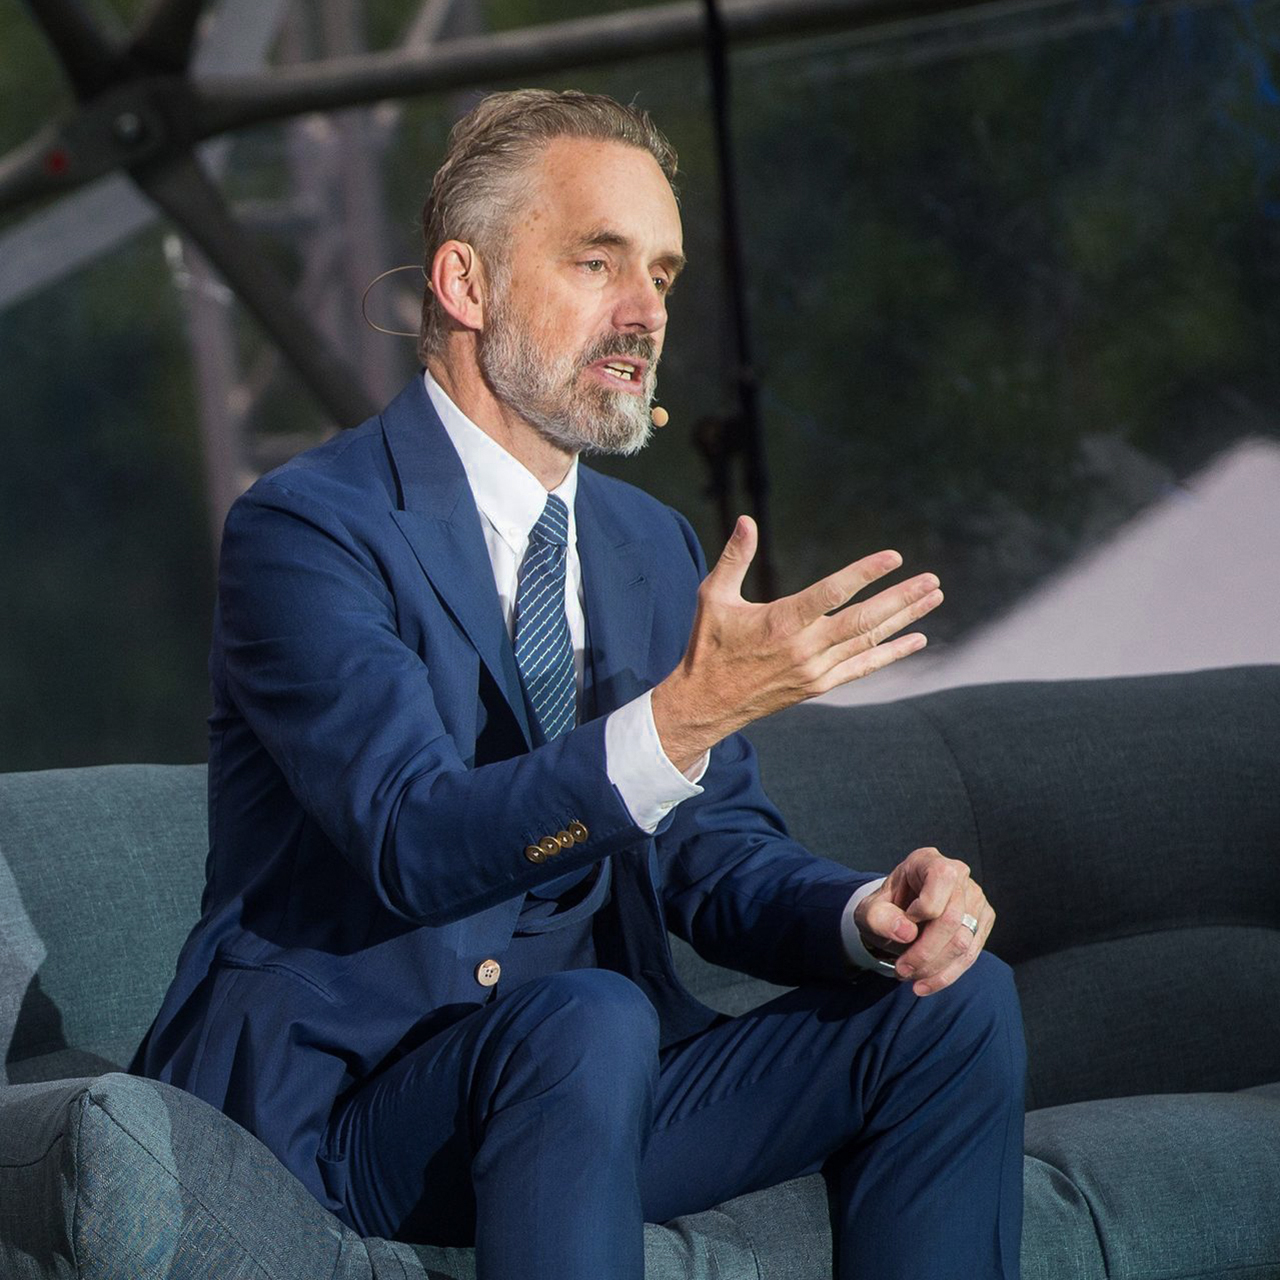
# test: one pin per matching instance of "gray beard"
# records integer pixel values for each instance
(549, 396)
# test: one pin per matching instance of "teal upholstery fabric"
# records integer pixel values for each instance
(1128, 832)
(779, 1233)
(37, 1184)
(120, 1177)
(125, 1179)
(105, 867)
(1158, 1012)
(1153, 1188)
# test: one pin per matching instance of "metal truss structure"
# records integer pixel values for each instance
(153, 112)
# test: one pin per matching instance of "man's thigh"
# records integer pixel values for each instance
(765, 1096)
(751, 1102)
(410, 1128)
(911, 1106)
(516, 1095)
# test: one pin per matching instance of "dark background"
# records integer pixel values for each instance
(1011, 277)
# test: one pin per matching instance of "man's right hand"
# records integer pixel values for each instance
(745, 660)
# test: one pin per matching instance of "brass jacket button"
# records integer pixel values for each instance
(549, 845)
(534, 853)
(488, 972)
(564, 839)
(578, 832)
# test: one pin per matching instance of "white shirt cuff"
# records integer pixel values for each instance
(852, 939)
(650, 785)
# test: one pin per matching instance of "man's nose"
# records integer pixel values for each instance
(640, 307)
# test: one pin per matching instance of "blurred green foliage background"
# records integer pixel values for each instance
(1012, 277)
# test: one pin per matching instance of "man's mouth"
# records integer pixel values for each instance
(621, 370)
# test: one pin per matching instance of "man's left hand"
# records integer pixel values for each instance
(917, 916)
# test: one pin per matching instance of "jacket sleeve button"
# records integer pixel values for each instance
(564, 839)
(488, 972)
(578, 832)
(550, 846)
(534, 853)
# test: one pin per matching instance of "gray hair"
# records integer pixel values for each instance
(477, 189)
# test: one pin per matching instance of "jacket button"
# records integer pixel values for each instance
(488, 972)
(550, 846)
(534, 853)
(564, 839)
(578, 832)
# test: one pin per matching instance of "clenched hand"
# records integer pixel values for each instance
(917, 916)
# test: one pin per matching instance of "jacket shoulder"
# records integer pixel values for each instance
(347, 470)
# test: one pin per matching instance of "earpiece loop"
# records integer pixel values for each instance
(364, 300)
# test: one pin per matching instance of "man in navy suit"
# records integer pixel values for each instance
(474, 750)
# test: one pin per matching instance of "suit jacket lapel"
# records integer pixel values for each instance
(618, 590)
(438, 517)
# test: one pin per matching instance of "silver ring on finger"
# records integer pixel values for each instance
(970, 923)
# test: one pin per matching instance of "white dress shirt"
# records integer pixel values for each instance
(510, 499)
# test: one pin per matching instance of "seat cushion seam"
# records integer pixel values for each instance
(35, 1160)
(745, 1233)
(186, 1187)
(75, 1206)
(1098, 1234)
(1155, 931)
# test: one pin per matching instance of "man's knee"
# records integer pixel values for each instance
(589, 1033)
(989, 982)
(602, 1010)
(988, 988)
(986, 1013)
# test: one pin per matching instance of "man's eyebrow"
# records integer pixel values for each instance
(674, 262)
(606, 238)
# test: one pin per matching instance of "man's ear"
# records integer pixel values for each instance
(457, 280)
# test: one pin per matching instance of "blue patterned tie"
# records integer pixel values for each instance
(544, 650)
(544, 654)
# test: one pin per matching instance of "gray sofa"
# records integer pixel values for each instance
(1128, 832)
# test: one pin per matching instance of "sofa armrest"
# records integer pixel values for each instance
(118, 1176)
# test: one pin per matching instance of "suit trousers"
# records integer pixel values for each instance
(548, 1126)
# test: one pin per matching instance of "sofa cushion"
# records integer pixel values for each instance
(132, 1179)
(1160, 1011)
(125, 1179)
(1125, 830)
(1169, 1187)
(129, 1179)
(1153, 1188)
(782, 1233)
(100, 877)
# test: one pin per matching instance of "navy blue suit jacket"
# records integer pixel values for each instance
(372, 789)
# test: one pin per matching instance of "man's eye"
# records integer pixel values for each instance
(662, 284)
(595, 265)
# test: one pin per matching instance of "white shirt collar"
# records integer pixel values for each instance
(510, 497)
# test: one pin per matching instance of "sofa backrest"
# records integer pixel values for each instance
(1127, 831)
(101, 871)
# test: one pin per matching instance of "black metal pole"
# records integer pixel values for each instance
(746, 421)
